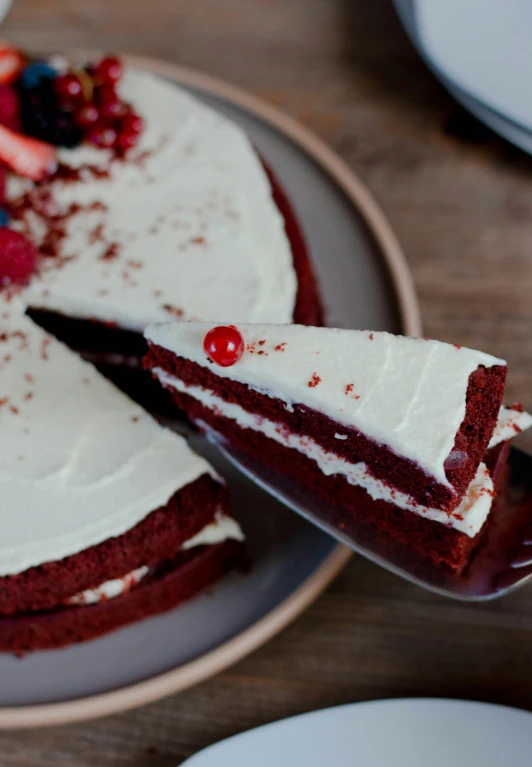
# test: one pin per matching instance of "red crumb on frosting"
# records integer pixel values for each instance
(261, 343)
(111, 252)
(280, 347)
(349, 390)
(457, 346)
(44, 347)
(314, 381)
(371, 336)
(175, 311)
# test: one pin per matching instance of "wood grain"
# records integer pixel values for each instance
(460, 201)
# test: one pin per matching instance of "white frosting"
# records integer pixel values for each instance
(510, 424)
(109, 589)
(191, 212)
(468, 517)
(407, 393)
(222, 529)
(79, 462)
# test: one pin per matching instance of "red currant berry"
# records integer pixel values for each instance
(111, 108)
(68, 87)
(224, 345)
(109, 70)
(103, 136)
(126, 140)
(132, 123)
(88, 116)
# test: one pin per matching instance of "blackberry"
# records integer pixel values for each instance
(44, 118)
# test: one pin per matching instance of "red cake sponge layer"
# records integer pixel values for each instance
(156, 538)
(444, 545)
(483, 401)
(179, 580)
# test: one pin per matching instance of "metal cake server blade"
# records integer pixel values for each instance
(501, 563)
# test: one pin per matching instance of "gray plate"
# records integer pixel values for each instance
(355, 257)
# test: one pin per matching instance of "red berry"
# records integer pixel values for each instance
(132, 123)
(88, 116)
(111, 108)
(126, 140)
(103, 136)
(9, 108)
(109, 70)
(11, 63)
(27, 156)
(224, 345)
(68, 88)
(18, 258)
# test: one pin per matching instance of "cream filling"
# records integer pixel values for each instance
(468, 517)
(509, 425)
(222, 529)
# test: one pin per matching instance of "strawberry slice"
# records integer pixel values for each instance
(27, 156)
(11, 63)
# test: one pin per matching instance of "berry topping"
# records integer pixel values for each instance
(45, 118)
(26, 156)
(18, 258)
(132, 123)
(11, 62)
(103, 137)
(109, 70)
(88, 116)
(68, 89)
(110, 104)
(9, 108)
(35, 72)
(224, 345)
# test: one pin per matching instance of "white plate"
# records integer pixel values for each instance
(479, 50)
(365, 283)
(388, 733)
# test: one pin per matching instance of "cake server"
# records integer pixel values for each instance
(501, 564)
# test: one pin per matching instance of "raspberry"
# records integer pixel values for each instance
(18, 258)
(9, 108)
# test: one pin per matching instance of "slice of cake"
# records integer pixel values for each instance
(393, 430)
(106, 516)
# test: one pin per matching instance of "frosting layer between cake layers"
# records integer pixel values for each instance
(409, 394)
(185, 226)
(223, 528)
(79, 461)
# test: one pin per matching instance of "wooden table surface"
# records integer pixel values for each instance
(460, 201)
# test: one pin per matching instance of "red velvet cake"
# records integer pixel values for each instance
(106, 516)
(390, 430)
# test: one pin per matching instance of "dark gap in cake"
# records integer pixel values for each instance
(443, 544)
(155, 538)
(484, 396)
(192, 572)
